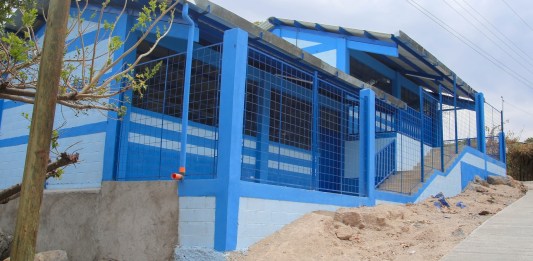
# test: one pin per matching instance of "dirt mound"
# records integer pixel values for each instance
(423, 231)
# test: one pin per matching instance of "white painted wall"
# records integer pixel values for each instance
(197, 221)
(86, 174)
(351, 155)
(408, 152)
(258, 218)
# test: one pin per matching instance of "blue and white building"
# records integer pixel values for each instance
(283, 118)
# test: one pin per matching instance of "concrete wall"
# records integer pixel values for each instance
(122, 220)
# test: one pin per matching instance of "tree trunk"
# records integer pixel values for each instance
(42, 122)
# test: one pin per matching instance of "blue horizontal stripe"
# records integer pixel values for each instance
(63, 133)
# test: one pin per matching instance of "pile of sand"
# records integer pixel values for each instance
(386, 232)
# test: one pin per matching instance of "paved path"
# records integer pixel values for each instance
(508, 235)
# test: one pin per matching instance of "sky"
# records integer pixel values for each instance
(501, 30)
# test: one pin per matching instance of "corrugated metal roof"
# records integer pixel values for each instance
(414, 62)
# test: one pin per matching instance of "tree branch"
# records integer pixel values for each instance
(64, 160)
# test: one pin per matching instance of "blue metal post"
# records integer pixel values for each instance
(397, 86)
(421, 93)
(367, 143)
(264, 130)
(231, 116)
(455, 112)
(480, 121)
(163, 119)
(441, 130)
(186, 90)
(116, 138)
(503, 156)
(314, 145)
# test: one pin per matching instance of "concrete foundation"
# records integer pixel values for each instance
(122, 220)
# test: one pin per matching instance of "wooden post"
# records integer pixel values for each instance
(42, 122)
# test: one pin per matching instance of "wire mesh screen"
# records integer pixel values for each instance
(386, 136)
(466, 124)
(432, 133)
(284, 144)
(448, 126)
(407, 161)
(338, 140)
(493, 128)
(277, 123)
(153, 142)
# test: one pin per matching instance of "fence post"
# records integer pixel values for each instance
(480, 121)
(421, 93)
(503, 156)
(314, 133)
(441, 130)
(367, 143)
(231, 115)
(455, 112)
(501, 137)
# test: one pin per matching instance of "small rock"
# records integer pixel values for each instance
(412, 252)
(381, 221)
(352, 219)
(5, 245)
(484, 213)
(344, 233)
(480, 181)
(458, 233)
(480, 189)
(498, 180)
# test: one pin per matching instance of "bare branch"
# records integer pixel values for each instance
(64, 160)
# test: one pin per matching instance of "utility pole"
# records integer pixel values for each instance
(42, 123)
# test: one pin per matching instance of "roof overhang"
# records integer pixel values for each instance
(410, 58)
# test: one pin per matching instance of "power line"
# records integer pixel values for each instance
(470, 44)
(512, 9)
(489, 38)
(491, 31)
(498, 31)
(518, 108)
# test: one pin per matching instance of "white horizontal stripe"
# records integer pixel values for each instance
(289, 153)
(168, 144)
(289, 167)
(172, 126)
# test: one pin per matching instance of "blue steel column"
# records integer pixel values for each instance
(397, 86)
(186, 90)
(264, 130)
(314, 146)
(501, 137)
(231, 115)
(441, 130)
(455, 112)
(480, 121)
(367, 143)
(503, 157)
(116, 139)
(421, 93)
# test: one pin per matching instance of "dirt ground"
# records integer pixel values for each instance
(386, 232)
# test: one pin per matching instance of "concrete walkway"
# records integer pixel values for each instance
(508, 235)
